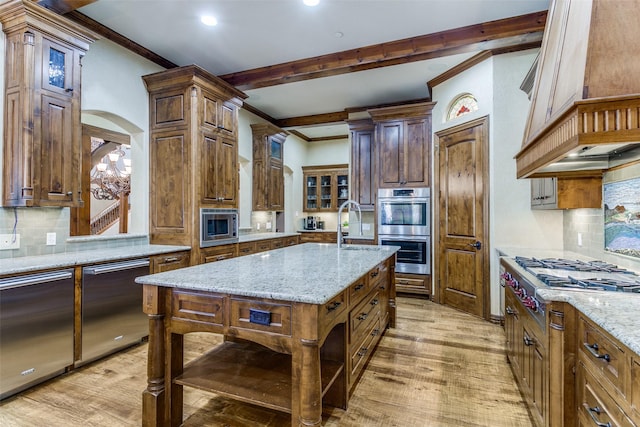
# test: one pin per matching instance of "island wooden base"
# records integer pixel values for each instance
(251, 373)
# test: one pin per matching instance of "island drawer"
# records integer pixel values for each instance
(334, 308)
(603, 353)
(358, 290)
(261, 316)
(364, 348)
(202, 307)
(378, 275)
(363, 315)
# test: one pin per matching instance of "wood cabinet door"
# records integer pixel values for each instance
(416, 157)
(390, 154)
(275, 189)
(363, 183)
(169, 198)
(219, 170)
(259, 185)
(59, 154)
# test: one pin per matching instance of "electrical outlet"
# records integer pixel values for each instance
(579, 239)
(268, 226)
(9, 241)
(51, 239)
(258, 226)
(366, 226)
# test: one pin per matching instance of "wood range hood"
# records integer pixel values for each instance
(585, 109)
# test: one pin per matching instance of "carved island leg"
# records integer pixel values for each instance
(306, 408)
(153, 398)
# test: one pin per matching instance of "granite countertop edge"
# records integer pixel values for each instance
(308, 273)
(33, 263)
(251, 237)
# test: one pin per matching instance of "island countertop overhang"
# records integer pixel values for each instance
(309, 273)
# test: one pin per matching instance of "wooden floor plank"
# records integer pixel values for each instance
(438, 367)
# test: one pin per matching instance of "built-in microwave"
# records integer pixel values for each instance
(218, 226)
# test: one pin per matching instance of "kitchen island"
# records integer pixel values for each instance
(299, 325)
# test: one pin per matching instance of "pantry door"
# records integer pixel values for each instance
(462, 217)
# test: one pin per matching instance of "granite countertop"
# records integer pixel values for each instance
(71, 259)
(615, 312)
(264, 236)
(309, 273)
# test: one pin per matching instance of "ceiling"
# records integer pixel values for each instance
(303, 67)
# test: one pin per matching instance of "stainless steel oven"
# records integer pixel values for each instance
(404, 211)
(404, 220)
(218, 226)
(414, 255)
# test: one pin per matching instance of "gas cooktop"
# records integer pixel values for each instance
(576, 274)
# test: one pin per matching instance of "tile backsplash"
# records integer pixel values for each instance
(33, 224)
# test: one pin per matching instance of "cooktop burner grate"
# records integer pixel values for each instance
(568, 264)
(592, 283)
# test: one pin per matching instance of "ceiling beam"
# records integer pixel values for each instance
(500, 34)
(63, 6)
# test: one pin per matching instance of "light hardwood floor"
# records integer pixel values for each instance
(438, 367)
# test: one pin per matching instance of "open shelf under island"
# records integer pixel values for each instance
(299, 325)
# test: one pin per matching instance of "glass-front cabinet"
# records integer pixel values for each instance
(325, 187)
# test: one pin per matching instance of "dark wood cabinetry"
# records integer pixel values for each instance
(42, 130)
(363, 178)
(268, 172)
(325, 187)
(566, 192)
(403, 145)
(193, 152)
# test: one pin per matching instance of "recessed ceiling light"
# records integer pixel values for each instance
(209, 20)
(339, 34)
(311, 2)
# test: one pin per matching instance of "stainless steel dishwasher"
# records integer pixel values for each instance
(36, 328)
(112, 316)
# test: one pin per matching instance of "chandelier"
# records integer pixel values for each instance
(111, 178)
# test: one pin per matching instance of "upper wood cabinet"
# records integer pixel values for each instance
(566, 192)
(42, 130)
(403, 145)
(363, 178)
(268, 167)
(325, 187)
(193, 151)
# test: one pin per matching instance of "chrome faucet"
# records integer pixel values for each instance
(342, 206)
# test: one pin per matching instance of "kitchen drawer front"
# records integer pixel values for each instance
(364, 348)
(333, 309)
(277, 243)
(604, 354)
(291, 241)
(378, 275)
(168, 262)
(413, 283)
(246, 248)
(263, 245)
(358, 290)
(362, 316)
(261, 316)
(217, 253)
(595, 405)
(196, 306)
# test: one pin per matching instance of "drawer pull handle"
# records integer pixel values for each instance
(375, 332)
(593, 349)
(358, 287)
(363, 352)
(403, 282)
(334, 305)
(171, 259)
(528, 341)
(374, 274)
(374, 301)
(362, 316)
(510, 311)
(593, 412)
(382, 287)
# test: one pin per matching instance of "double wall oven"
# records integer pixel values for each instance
(404, 220)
